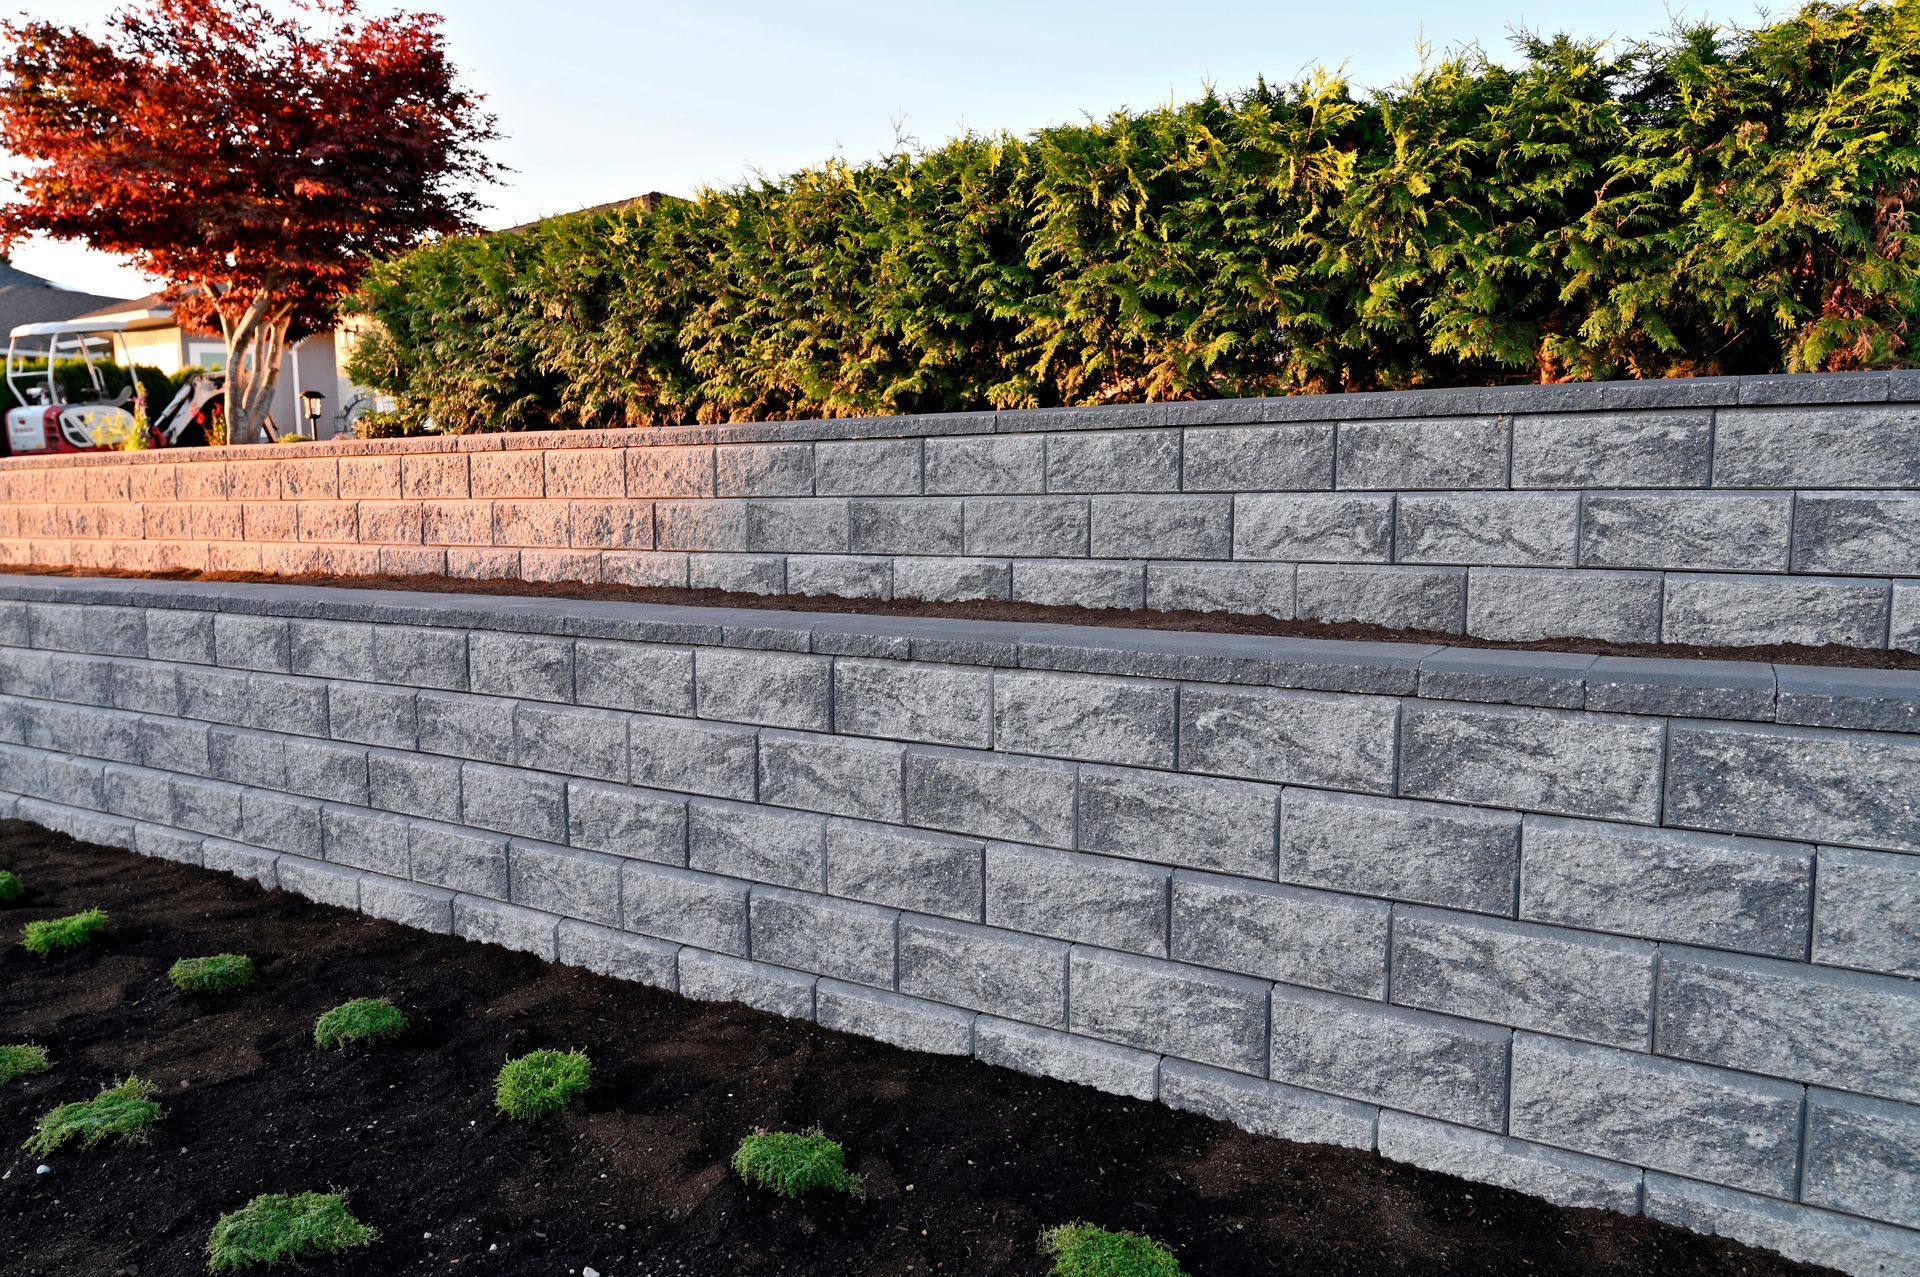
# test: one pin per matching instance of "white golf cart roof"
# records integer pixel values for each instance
(61, 328)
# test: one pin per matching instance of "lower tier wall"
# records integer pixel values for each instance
(1637, 935)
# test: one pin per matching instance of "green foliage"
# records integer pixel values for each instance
(20, 1059)
(220, 973)
(122, 1112)
(11, 888)
(57, 935)
(1081, 1250)
(540, 1083)
(1711, 201)
(276, 1228)
(794, 1162)
(361, 1020)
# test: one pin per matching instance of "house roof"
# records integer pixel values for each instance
(26, 298)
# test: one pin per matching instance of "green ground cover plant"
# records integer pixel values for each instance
(22, 1059)
(121, 1112)
(1713, 200)
(541, 1082)
(790, 1163)
(1081, 1250)
(360, 1020)
(11, 888)
(57, 935)
(277, 1228)
(219, 973)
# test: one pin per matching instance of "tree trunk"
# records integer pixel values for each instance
(255, 344)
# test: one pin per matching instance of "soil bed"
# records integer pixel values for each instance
(1831, 654)
(964, 1164)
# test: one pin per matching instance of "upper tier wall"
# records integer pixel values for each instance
(1724, 512)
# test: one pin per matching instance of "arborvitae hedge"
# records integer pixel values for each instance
(1714, 201)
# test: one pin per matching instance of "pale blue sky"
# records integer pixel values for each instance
(601, 100)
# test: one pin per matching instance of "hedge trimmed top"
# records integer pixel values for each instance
(1710, 202)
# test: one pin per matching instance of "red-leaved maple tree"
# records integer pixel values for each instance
(254, 155)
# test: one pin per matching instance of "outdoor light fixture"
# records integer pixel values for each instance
(311, 404)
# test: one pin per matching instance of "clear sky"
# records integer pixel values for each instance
(601, 100)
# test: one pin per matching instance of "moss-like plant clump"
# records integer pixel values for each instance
(541, 1083)
(122, 1112)
(361, 1020)
(18, 1059)
(278, 1228)
(1081, 1250)
(220, 973)
(11, 888)
(57, 935)
(794, 1162)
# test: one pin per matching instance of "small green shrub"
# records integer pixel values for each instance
(794, 1162)
(277, 1228)
(57, 935)
(122, 1112)
(1081, 1250)
(540, 1083)
(221, 973)
(11, 888)
(19, 1059)
(361, 1020)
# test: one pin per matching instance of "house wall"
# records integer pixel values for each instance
(1627, 934)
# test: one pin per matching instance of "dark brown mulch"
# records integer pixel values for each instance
(1831, 654)
(965, 1164)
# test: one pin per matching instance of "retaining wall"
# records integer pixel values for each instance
(1719, 511)
(1629, 934)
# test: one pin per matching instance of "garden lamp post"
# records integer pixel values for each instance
(311, 404)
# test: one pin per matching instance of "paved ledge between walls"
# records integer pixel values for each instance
(1719, 512)
(1647, 958)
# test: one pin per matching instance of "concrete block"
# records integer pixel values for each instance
(1319, 527)
(1554, 761)
(764, 470)
(1863, 1157)
(1515, 529)
(1278, 458)
(1851, 1246)
(321, 883)
(1411, 598)
(1865, 447)
(713, 977)
(413, 785)
(1613, 449)
(407, 903)
(508, 926)
(1664, 884)
(571, 741)
(1844, 787)
(883, 865)
(888, 1017)
(1703, 1123)
(1169, 1008)
(1114, 720)
(1695, 532)
(832, 774)
(1550, 979)
(1039, 1052)
(512, 801)
(238, 859)
(531, 666)
(866, 467)
(984, 969)
(1184, 821)
(1114, 461)
(334, 649)
(1749, 610)
(905, 527)
(716, 759)
(606, 952)
(1250, 589)
(1266, 1108)
(1871, 533)
(565, 881)
(1450, 1069)
(842, 576)
(773, 689)
(372, 715)
(1095, 583)
(633, 823)
(280, 823)
(1316, 939)
(368, 840)
(420, 656)
(690, 908)
(952, 580)
(1307, 738)
(1055, 527)
(1443, 452)
(809, 525)
(836, 938)
(1790, 1020)
(459, 726)
(1023, 800)
(1092, 899)
(976, 464)
(458, 859)
(1868, 912)
(756, 843)
(1878, 700)
(1565, 1179)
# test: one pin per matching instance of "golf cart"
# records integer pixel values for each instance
(46, 416)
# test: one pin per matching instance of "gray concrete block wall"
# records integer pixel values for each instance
(1546, 921)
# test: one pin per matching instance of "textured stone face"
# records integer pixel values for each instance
(1520, 529)
(1106, 720)
(1316, 939)
(1863, 1157)
(1178, 1010)
(1092, 899)
(1869, 913)
(1322, 527)
(1178, 820)
(1857, 788)
(1602, 765)
(1308, 738)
